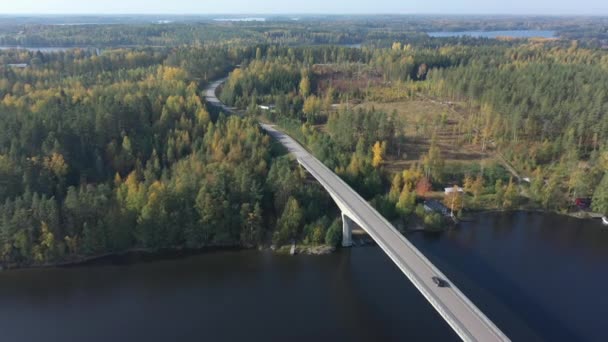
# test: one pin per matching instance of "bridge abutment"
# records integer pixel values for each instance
(347, 231)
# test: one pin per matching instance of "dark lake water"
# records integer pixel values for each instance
(538, 277)
(495, 34)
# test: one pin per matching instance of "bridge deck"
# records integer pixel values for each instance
(462, 315)
(457, 310)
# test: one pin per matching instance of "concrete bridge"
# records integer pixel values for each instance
(457, 310)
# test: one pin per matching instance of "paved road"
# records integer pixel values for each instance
(212, 99)
(460, 313)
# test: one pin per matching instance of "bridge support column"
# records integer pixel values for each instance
(347, 231)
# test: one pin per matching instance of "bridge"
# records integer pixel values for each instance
(456, 309)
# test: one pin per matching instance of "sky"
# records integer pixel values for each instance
(550, 7)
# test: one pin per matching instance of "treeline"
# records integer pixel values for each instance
(96, 160)
(121, 35)
(193, 33)
(286, 76)
(377, 31)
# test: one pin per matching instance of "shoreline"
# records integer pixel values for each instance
(137, 255)
(129, 256)
(581, 215)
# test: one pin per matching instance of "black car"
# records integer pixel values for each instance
(440, 282)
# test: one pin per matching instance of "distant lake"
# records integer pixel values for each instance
(50, 49)
(240, 19)
(41, 49)
(495, 34)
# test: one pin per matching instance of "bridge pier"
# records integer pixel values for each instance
(347, 231)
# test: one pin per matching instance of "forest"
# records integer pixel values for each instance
(117, 152)
(373, 30)
(114, 149)
(539, 108)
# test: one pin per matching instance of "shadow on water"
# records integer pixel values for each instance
(478, 280)
(147, 256)
(386, 301)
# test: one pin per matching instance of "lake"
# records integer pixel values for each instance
(496, 34)
(46, 49)
(537, 276)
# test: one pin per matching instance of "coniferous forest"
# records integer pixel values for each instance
(114, 152)
(108, 145)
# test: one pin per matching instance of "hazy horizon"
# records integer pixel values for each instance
(294, 14)
(312, 7)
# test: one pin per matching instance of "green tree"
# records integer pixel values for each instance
(407, 202)
(510, 196)
(333, 237)
(499, 193)
(600, 196)
(433, 220)
(433, 164)
(44, 251)
(579, 183)
(289, 223)
(252, 232)
(477, 188)
(537, 184)
(93, 239)
(396, 187)
(551, 196)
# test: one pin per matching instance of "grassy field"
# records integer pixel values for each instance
(423, 118)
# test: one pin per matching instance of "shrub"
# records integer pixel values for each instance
(333, 237)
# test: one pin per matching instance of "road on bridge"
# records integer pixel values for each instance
(457, 310)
